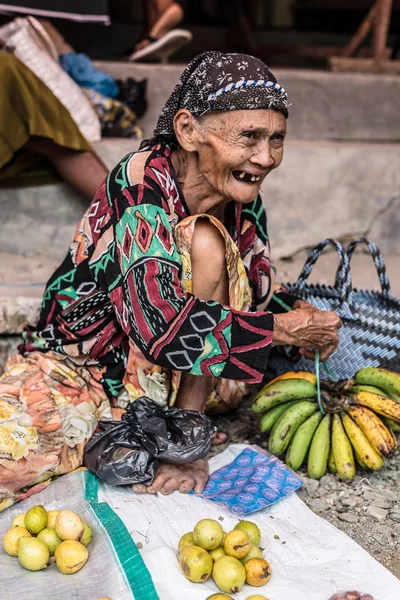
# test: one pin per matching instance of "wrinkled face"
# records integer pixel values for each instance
(237, 149)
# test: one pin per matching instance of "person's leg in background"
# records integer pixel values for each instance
(83, 170)
(162, 38)
(162, 16)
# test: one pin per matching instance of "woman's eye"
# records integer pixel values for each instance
(251, 135)
(277, 141)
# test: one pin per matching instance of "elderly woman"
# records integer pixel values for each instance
(166, 290)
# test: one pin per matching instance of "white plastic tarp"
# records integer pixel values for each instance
(310, 559)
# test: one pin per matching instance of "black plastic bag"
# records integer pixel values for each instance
(126, 452)
(132, 93)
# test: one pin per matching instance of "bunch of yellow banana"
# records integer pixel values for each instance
(351, 430)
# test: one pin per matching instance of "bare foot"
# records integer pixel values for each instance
(218, 438)
(170, 478)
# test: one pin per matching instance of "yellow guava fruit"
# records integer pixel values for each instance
(255, 552)
(70, 556)
(50, 538)
(195, 564)
(11, 538)
(69, 525)
(229, 574)
(258, 572)
(256, 597)
(237, 544)
(19, 520)
(252, 531)
(51, 518)
(186, 541)
(33, 554)
(219, 597)
(217, 553)
(87, 534)
(36, 519)
(208, 534)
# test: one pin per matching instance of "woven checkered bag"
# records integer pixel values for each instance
(370, 335)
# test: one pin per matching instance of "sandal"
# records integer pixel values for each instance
(162, 48)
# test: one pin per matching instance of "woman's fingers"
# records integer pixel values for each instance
(309, 354)
(201, 480)
(158, 482)
(140, 488)
(303, 304)
(175, 483)
(325, 353)
(187, 485)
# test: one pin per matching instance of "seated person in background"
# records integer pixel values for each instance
(34, 123)
(162, 38)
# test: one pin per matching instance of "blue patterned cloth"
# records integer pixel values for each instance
(251, 482)
(82, 70)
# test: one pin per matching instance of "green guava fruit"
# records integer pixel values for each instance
(208, 534)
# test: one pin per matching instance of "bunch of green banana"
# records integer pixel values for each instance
(362, 416)
(283, 390)
(382, 379)
(382, 382)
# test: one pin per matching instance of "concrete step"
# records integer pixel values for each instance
(325, 106)
(48, 214)
(322, 189)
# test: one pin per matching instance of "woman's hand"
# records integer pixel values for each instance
(308, 328)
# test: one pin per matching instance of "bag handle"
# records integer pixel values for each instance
(379, 265)
(343, 275)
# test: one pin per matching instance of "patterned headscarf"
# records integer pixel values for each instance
(216, 81)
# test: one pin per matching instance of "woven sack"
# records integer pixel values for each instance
(27, 39)
(370, 335)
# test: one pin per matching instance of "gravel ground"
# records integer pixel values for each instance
(368, 509)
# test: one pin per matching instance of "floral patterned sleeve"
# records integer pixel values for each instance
(142, 275)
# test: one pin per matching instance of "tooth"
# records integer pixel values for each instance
(258, 177)
(253, 178)
(242, 174)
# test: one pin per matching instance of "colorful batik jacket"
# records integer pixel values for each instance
(121, 280)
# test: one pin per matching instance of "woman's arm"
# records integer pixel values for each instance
(303, 326)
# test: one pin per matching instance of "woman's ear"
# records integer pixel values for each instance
(187, 130)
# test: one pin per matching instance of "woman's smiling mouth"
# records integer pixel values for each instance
(246, 177)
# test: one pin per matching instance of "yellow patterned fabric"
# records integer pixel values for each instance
(49, 409)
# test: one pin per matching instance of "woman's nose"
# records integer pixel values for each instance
(263, 157)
